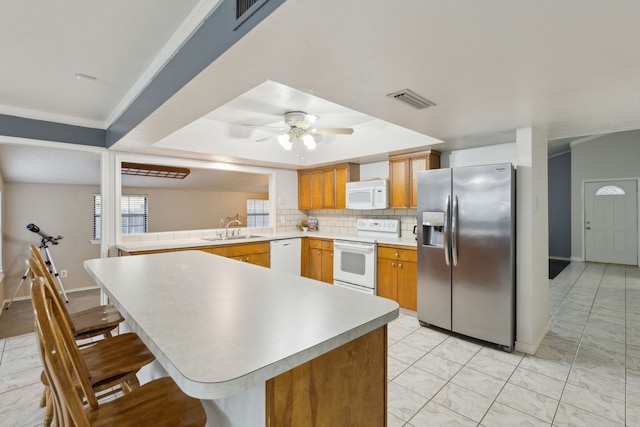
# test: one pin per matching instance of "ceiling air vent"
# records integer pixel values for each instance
(242, 6)
(410, 97)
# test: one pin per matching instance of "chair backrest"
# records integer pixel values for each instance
(39, 268)
(61, 358)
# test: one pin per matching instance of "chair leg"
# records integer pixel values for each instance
(43, 399)
(48, 413)
(130, 384)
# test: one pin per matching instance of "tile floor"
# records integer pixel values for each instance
(585, 373)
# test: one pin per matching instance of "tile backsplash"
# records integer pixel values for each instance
(343, 221)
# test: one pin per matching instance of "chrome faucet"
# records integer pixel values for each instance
(226, 227)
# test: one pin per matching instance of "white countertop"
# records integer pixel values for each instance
(153, 245)
(220, 326)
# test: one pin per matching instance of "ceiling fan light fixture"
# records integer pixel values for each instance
(285, 141)
(156, 171)
(308, 141)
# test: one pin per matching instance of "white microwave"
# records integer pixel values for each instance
(372, 194)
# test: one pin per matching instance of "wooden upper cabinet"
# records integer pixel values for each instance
(403, 171)
(317, 189)
(329, 189)
(325, 188)
(304, 190)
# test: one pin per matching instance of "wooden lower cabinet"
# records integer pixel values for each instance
(344, 387)
(254, 253)
(319, 260)
(398, 275)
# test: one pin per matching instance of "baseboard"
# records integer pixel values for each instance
(557, 258)
(532, 348)
(577, 259)
(6, 301)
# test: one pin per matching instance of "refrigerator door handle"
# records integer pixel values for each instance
(454, 231)
(447, 203)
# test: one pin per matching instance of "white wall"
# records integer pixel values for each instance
(612, 156)
(2, 204)
(375, 170)
(499, 153)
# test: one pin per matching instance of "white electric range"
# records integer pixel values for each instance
(355, 257)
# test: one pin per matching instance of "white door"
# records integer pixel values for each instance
(611, 221)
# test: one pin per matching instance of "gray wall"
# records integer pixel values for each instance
(612, 156)
(67, 210)
(560, 206)
(176, 210)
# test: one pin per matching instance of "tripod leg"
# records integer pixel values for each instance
(54, 272)
(24, 277)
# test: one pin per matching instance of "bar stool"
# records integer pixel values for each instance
(88, 323)
(158, 403)
(112, 363)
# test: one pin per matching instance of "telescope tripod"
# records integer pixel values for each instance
(50, 266)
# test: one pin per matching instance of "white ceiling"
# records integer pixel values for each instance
(569, 68)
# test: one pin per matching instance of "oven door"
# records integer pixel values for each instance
(355, 262)
(352, 287)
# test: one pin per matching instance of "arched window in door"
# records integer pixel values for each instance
(610, 190)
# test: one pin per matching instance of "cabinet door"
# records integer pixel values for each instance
(408, 285)
(304, 190)
(329, 187)
(417, 164)
(399, 180)
(341, 179)
(387, 278)
(327, 266)
(317, 190)
(262, 259)
(315, 264)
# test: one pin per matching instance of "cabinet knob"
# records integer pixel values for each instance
(400, 265)
(393, 264)
(396, 254)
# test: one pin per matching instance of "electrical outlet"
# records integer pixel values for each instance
(63, 273)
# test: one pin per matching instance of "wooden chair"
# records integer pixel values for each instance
(89, 323)
(111, 364)
(158, 403)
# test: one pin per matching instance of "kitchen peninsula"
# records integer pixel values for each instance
(259, 347)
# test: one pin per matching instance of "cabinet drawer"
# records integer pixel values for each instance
(391, 252)
(321, 244)
(240, 249)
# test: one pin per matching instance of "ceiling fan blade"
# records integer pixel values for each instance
(335, 131)
(278, 128)
(268, 138)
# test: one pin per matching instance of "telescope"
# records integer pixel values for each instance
(45, 237)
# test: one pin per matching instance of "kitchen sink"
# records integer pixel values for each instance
(242, 237)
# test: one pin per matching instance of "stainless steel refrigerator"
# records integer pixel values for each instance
(466, 251)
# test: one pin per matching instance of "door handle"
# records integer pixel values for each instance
(454, 231)
(588, 228)
(446, 229)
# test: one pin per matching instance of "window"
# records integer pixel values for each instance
(610, 190)
(134, 211)
(257, 213)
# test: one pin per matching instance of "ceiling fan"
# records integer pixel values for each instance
(299, 127)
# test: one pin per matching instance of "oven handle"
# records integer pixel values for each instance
(355, 246)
